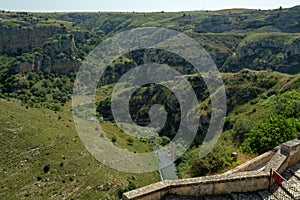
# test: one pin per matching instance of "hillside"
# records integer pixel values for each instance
(42, 157)
(53, 45)
(260, 119)
(223, 34)
(256, 51)
(252, 98)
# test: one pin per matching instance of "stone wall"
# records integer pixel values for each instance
(292, 150)
(216, 185)
(210, 185)
(253, 164)
(235, 182)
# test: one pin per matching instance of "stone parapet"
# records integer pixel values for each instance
(249, 177)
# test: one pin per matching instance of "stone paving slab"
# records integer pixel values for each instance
(173, 197)
(246, 196)
(221, 197)
(266, 195)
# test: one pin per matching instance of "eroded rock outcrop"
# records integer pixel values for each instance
(59, 55)
(14, 40)
(281, 53)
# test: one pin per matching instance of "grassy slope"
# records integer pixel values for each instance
(32, 138)
(249, 113)
(282, 38)
(259, 108)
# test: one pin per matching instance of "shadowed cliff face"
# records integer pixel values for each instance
(277, 52)
(58, 55)
(272, 21)
(14, 40)
(235, 39)
(57, 43)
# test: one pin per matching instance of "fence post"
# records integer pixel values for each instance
(270, 179)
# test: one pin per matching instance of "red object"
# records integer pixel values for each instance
(277, 177)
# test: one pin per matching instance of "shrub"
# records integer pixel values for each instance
(55, 107)
(71, 178)
(113, 139)
(270, 134)
(47, 168)
(240, 130)
(288, 104)
(217, 159)
(130, 186)
(130, 141)
(164, 140)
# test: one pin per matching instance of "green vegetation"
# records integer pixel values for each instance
(218, 159)
(278, 122)
(252, 97)
(39, 89)
(279, 38)
(270, 134)
(32, 20)
(282, 125)
(123, 140)
(43, 157)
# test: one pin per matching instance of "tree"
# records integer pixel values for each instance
(240, 130)
(288, 104)
(217, 159)
(270, 134)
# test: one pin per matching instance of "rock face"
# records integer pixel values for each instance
(259, 48)
(268, 53)
(274, 47)
(17, 39)
(276, 20)
(293, 49)
(62, 45)
(80, 37)
(287, 21)
(225, 47)
(59, 55)
(216, 24)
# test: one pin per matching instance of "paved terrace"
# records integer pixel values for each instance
(247, 181)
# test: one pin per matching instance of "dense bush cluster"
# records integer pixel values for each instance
(282, 125)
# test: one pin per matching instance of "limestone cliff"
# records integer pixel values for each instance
(276, 20)
(279, 52)
(14, 40)
(58, 54)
